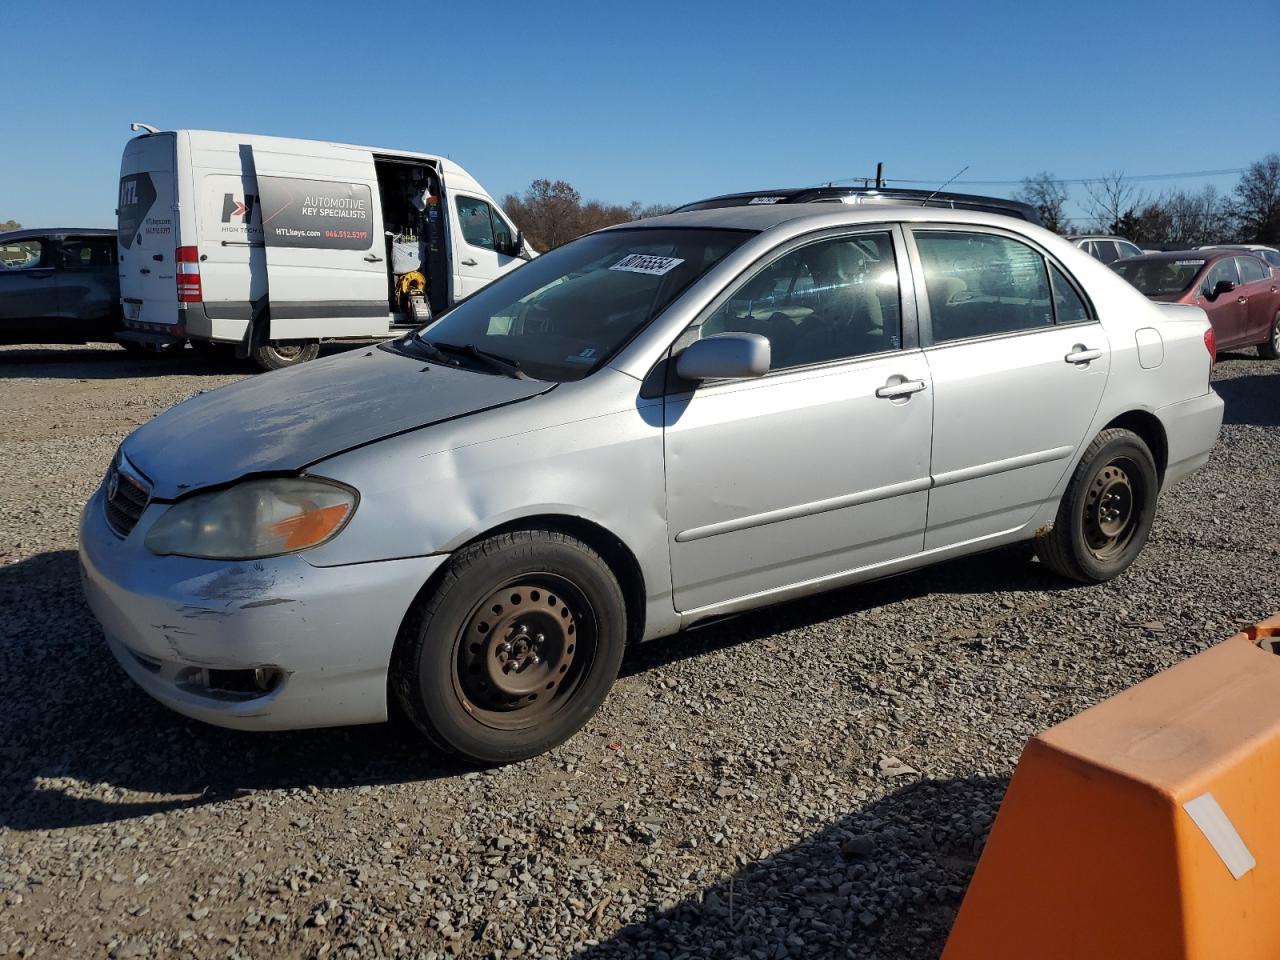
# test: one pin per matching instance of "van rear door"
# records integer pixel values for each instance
(326, 253)
(148, 230)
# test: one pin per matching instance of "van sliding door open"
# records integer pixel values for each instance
(326, 254)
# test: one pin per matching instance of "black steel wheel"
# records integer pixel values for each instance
(1107, 511)
(515, 647)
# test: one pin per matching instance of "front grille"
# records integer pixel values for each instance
(127, 496)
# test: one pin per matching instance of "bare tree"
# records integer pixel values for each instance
(551, 213)
(1257, 201)
(1182, 219)
(1049, 197)
(1110, 199)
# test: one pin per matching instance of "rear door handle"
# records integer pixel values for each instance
(896, 391)
(468, 262)
(1242, 299)
(145, 270)
(373, 258)
(1080, 354)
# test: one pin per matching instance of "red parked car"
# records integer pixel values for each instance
(1236, 289)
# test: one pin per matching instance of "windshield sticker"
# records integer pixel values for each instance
(585, 355)
(643, 263)
(764, 200)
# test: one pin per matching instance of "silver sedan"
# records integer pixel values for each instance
(653, 425)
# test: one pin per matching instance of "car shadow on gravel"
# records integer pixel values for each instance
(883, 881)
(83, 745)
(110, 362)
(1251, 400)
(1006, 570)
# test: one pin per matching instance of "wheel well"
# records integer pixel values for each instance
(615, 553)
(1151, 430)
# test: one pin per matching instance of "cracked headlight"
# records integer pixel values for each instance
(254, 519)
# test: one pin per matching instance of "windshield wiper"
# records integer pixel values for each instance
(493, 361)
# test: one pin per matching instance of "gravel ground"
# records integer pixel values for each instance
(813, 780)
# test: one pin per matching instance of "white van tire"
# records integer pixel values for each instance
(276, 355)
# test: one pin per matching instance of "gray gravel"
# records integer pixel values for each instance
(813, 780)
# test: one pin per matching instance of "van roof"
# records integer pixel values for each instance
(445, 163)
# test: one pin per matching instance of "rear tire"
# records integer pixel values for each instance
(1107, 511)
(515, 648)
(276, 355)
(1269, 349)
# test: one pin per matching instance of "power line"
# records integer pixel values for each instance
(1186, 175)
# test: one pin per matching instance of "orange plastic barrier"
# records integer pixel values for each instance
(1146, 828)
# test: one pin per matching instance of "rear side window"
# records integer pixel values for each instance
(1251, 269)
(22, 254)
(1068, 305)
(982, 285)
(1106, 251)
(831, 300)
(76, 253)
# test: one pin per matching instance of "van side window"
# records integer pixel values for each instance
(831, 300)
(22, 254)
(476, 220)
(982, 284)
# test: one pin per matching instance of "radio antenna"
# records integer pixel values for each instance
(925, 201)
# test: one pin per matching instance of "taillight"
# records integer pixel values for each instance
(1211, 344)
(189, 290)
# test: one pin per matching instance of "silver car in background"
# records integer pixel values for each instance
(653, 425)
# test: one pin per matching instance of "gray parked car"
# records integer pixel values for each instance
(58, 286)
(651, 426)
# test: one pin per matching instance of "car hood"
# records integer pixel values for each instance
(284, 421)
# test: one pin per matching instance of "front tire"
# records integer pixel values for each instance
(515, 648)
(1106, 513)
(1269, 349)
(278, 354)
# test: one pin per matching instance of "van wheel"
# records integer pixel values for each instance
(515, 648)
(278, 354)
(1269, 349)
(1106, 514)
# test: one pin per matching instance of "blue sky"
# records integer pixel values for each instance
(648, 101)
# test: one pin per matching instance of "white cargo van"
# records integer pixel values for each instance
(273, 244)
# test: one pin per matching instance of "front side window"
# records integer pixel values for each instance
(476, 222)
(22, 254)
(829, 300)
(77, 253)
(1251, 269)
(981, 285)
(1127, 249)
(564, 314)
(1222, 270)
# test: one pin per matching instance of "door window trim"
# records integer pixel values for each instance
(925, 319)
(673, 386)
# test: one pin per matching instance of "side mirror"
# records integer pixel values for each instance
(1221, 287)
(725, 356)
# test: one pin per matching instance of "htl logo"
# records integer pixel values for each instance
(231, 207)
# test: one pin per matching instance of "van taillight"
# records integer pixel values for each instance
(1210, 344)
(189, 290)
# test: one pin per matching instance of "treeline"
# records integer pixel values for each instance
(7, 225)
(552, 212)
(1250, 213)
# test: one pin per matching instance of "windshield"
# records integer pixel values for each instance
(1159, 278)
(564, 314)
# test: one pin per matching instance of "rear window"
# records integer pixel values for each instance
(1160, 278)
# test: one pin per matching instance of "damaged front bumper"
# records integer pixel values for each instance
(271, 644)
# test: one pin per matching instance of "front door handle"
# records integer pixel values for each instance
(373, 258)
(145, 270)
(1242, 299)
(468, 262)
(1081, 354)
(896, 391)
